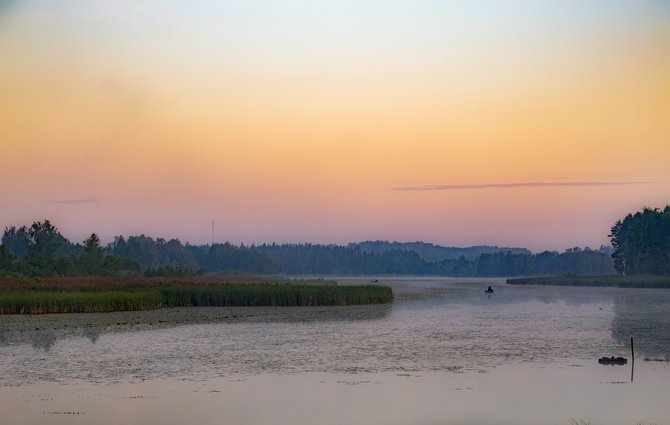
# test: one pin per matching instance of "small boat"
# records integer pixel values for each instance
(489, 290)
(612, 360)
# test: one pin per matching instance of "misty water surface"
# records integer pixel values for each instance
(433, 325)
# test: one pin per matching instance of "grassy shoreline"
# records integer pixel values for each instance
(639, 281)
(90, 295)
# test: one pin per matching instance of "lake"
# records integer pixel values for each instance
(444, 352)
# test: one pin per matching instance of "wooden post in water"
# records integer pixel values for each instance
(632, 363)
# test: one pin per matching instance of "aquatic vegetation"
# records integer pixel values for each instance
(38, 302)
(637, 281)
(274, 295)
(85, 296)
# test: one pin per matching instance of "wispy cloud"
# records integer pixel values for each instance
(516, 185)
(76, 201)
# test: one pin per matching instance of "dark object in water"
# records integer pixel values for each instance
(612, 361)
(489, 290)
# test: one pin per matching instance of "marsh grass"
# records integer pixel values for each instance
(274, 295)
(640, 281)
(78, 297)
(39, 302)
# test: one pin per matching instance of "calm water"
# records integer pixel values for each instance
(443, 352)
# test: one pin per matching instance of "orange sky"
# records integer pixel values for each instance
(297, 121)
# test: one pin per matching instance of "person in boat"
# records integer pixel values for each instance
(489, 290)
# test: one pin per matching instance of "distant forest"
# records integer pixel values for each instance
(41, 250)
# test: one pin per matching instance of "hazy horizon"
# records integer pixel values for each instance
(522, 124)
(107, 240)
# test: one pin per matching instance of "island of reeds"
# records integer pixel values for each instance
(636, 281)
(89, 295)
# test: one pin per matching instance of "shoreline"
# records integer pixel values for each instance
(641, 281)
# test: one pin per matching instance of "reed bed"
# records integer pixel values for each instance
(82, 299)
(106, 282)
(41, 302)
(274, 295)
(597, 281)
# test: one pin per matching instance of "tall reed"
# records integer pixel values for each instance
(38, 302)
(137, 297)
(274, 295)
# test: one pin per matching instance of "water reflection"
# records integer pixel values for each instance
(643, 316)
(92, 334)
(42, 331)
(43, 340)
(471, 292)
(441, 325)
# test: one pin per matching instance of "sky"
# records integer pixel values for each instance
(515, 123)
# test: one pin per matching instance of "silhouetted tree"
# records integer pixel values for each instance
(17, 241)
(91, 260)
(6, 259)
(46, 242)
(641, 242)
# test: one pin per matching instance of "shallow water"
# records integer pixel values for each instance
(439, 338)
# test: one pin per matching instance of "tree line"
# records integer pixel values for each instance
(352, 259)
(641, 242)
(436, 253)
(41, 250)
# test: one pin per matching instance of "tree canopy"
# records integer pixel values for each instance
(41, 250)
(641, 242)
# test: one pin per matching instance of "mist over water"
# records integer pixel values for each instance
(443, 352)
(435, 324)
